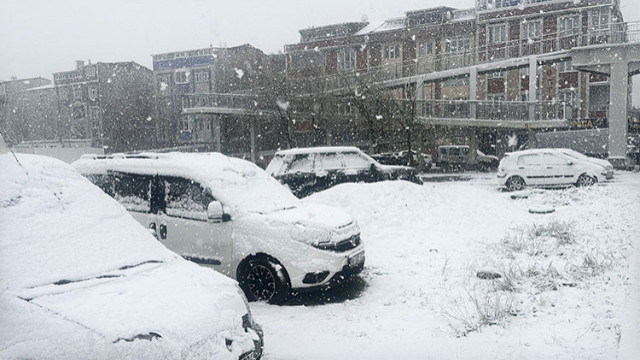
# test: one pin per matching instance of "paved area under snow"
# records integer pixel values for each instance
(419, 298)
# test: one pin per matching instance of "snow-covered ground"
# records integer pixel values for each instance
(569, 289)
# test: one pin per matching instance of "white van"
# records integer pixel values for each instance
(229, 214)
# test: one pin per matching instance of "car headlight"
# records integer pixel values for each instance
(318, 238)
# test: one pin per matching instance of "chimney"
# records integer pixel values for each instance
(79, 64)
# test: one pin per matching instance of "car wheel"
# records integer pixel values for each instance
(264, 280)
(585, 180)
(515, 183)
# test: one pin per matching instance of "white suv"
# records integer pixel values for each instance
(229, 214)
(546, 168)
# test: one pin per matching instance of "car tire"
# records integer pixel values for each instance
(585, 180)
(515, 183)
(264, 280)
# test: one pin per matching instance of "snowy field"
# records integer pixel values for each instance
(569, 285)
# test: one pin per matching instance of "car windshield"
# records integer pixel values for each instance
(244, 187)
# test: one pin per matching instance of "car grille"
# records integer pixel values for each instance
(345, 245)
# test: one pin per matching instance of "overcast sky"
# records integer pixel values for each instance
(40, 37)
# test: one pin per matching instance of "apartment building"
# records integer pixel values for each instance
(25, 109)
(519, 28)
(441, 39)
(177, 75)
(108, 103)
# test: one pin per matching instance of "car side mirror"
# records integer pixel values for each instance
(215, 212)
(569, 162)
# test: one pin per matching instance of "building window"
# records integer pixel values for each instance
(93, 92)
(183, 124)
(185, 102)
(347, 59)
(94, 112)
(425, 48)
(77, 93)
(392, 52)
(568, 26)
(91, 72)
(496, 75)
(568, 98)
(78, 112)
(599, 20)
(497, 33)
(182, 77)
(201, 76)
(565, 66)
(532, 30)
(345, 109)
(457, 45)
(307, 59)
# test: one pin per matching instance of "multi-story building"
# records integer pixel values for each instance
(486, 54)
(108, 103)
(26, 109)
(200, 71)
(510, 29)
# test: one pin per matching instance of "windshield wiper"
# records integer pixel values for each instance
(107, 276)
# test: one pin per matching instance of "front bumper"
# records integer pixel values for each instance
(338, 278)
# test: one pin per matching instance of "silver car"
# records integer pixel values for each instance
(546, 168)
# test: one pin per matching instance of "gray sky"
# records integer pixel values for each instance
(40, 37)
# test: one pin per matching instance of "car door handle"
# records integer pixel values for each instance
(163, 231)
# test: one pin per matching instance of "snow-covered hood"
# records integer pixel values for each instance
(150, 308)
(313, 223)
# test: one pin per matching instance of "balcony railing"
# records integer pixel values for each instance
(222, 101)
(614, 33)
(495, 110)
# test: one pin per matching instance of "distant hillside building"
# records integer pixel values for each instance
(109, 103)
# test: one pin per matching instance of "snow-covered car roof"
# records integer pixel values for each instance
(319, 150)
(239, 184)
(82, 279)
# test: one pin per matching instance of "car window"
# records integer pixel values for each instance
(354, 160)
(301, 163)
(104, 182)
(132, 191)
(532, 159)
(186, 199)
(276, 164)
(551, 159)
(330, 161)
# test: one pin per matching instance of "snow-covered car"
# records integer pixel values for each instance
(579, 156)
(458, 157)
(309, 170)
(402, 158)
(81, 279)
(230, 215)
(486, 162)
(546, 168)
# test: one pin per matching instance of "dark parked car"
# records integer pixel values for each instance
(309, 170)
(403, 158)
